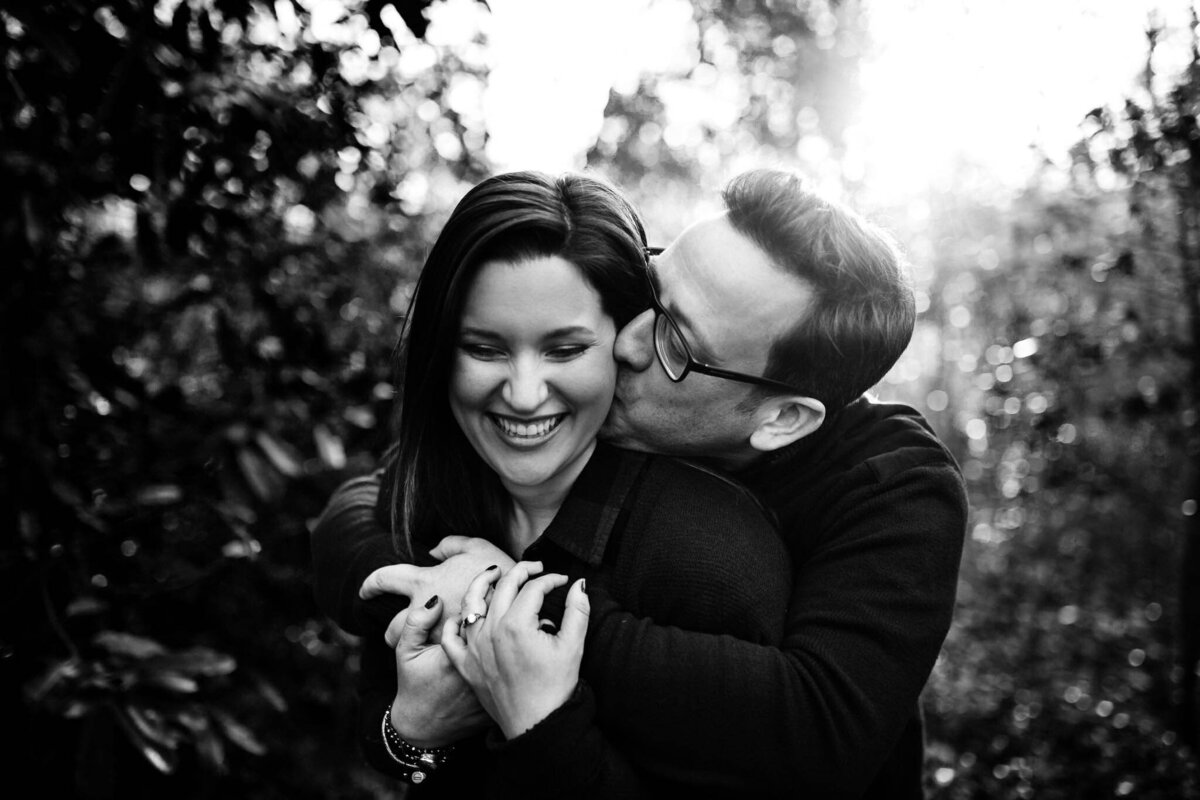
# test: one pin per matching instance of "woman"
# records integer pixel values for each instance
(507, 374)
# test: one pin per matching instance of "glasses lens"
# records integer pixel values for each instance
(672, 351)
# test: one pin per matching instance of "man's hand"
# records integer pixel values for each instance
(461, 557)
(520, 668)
(434, 706)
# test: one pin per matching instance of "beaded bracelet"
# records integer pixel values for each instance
(420, 761)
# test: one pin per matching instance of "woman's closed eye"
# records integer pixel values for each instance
(481, 352)
(566, 352)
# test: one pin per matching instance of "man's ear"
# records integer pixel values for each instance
(786, 419)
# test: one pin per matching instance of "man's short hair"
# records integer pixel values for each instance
(862, 313)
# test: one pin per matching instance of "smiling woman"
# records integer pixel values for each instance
(533, 377)
(513, 315)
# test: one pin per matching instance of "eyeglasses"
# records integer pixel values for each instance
(673, 351)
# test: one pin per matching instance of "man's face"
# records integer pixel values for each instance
(731, 303)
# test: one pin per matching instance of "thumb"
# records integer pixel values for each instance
(451, 546)
(414, 633)
(392, 579)
(453, 644)
(576, 613)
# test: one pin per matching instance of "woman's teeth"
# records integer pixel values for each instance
(531, 429)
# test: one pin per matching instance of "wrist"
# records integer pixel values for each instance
(520, 718)
(416, 763)
(415, 729)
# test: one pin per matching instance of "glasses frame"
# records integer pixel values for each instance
(692, 364)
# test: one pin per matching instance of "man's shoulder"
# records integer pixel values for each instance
(868, 443)
(700, 487)
(887, 438)
(877, 468)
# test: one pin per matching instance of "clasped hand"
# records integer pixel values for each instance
(508, 665)
(520, 668)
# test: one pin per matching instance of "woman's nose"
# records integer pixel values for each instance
(634, 347)
(526, 389)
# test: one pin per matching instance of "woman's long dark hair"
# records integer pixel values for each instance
(436, 484)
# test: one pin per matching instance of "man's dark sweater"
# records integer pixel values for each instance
(873, 510)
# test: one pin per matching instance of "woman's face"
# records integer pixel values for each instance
(533, 373)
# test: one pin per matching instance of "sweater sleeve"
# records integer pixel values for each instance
(348, 544)
(697, 553)
(820, 713)
(567, 755)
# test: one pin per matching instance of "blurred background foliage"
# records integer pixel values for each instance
(213, 211)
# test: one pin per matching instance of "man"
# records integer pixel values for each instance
(768, 324)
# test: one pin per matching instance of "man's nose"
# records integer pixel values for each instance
(635, 343)
(526, 389)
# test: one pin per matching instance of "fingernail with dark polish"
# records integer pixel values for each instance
(492, 567)
(583, 586)
(431, 602)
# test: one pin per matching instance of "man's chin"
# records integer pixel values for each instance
(617, 432)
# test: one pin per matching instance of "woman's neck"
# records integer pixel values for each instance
(534, 507)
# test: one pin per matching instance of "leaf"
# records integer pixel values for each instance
(77, 709)
(202, 661)
(211, 750)
(263, 479)
(360, 416)
(160, 757)
(241, 548)
(232, 511)
(126, 644)
(151, 725)
(193, 718)
(86, 605)
(272, 695)
(38, 688)
(238, 733)
(171, 681)
(329, 447)
(159, 495)
(282, 455)
(66, 493)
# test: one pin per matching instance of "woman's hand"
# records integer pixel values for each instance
(461, 559)
(433, 706)
(520, 668)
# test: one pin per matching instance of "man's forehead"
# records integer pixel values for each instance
(730, 291)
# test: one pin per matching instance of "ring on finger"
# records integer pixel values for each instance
(470, 619)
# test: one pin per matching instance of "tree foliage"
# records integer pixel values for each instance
(205, 234)
(212, 214)
(1070, 353)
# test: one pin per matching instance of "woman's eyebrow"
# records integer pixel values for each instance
(557, 333)
(479, 333)
(570, 330)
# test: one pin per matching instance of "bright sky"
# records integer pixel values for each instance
(974, 79)
(947, 80)
(984, 80)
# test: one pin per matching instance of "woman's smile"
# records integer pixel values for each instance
(527, 432)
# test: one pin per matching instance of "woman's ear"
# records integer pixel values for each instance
(786, 419)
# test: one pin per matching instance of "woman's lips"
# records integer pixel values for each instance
(526, 431)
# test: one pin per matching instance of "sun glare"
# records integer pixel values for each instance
(950, 83)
